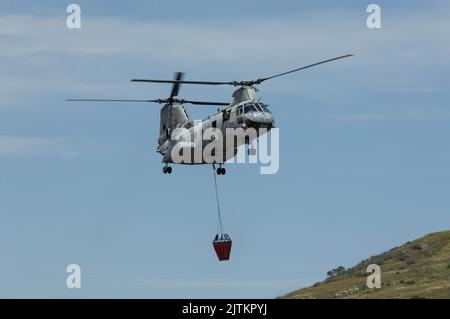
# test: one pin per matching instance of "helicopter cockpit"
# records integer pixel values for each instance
(256, 114)
(256, 107)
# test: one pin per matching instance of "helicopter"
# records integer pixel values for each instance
(244, 112)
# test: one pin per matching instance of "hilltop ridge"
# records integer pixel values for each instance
(417, 269)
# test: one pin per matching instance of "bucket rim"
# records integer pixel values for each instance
(222, 241)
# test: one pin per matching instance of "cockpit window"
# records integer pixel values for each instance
(264, 108)
(249, 108)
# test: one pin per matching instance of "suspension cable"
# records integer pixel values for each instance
(217, 200)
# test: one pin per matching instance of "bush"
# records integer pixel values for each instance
(410, 261)
(336, 271)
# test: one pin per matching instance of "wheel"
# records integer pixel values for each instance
(169, 170)
(223, 170)
(165, 169)
(219, 171)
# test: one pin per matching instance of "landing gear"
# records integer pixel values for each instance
(167, 169)
(221, 170)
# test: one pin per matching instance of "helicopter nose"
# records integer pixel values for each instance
(260, 119)
(265, 117)
(268, 118)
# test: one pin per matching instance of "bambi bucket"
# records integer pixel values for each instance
(222, 246)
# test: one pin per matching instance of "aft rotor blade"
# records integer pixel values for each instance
(302, 68)
(176, 85)
(160, 101)
(204, 102)
(108, 100)
(184, 82)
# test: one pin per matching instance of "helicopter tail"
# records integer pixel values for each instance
(172, 116)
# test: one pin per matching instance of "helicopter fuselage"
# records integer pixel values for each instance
(233, 123)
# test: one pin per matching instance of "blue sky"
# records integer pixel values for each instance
(364, 144)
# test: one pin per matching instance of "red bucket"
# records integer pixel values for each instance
(222, 247)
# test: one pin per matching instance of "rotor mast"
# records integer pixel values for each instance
(243, 93)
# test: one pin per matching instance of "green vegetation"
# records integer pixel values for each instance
(417, 269)
(336, 272)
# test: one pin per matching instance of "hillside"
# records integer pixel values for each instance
(417, 269)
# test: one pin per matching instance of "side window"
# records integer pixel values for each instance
(214, 124)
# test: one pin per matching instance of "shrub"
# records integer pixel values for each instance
(410, 261)
(336, 271)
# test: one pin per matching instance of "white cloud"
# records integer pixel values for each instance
(26, 147)
(304, 39)
(200, 283)
(28, 36)
(392, 116)
(404, 56)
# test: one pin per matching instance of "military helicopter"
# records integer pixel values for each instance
(245, 111)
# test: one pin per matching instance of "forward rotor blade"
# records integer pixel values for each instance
(176, 85)
(108, 100)
(238, 83)
(302, 68)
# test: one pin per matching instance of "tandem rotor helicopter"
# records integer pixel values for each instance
(245, 111)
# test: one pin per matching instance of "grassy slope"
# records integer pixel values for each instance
(418, 269)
